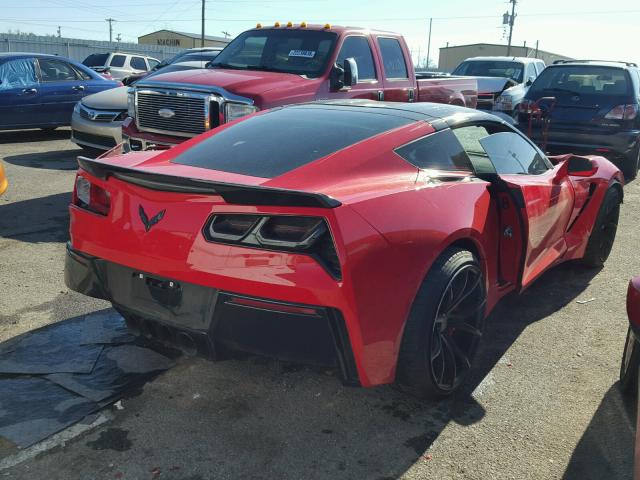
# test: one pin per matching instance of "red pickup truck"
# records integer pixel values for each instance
(269, 67)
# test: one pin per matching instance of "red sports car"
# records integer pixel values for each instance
(368, 236)
(631, 354)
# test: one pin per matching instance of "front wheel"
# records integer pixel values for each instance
(444, 326)
(629, 365)
(604, 231)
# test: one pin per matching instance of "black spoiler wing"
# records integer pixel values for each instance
(230, 192)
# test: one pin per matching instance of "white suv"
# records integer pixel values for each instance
(120, 64)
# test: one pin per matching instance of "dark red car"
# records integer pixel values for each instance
(631, 355)
(374, 237)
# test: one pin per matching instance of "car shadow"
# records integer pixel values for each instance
(26, 136)
(42, 219)
(607, 445)
(53, 160)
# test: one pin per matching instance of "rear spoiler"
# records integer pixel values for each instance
(230, 192)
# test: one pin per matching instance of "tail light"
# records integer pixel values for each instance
(527, 106)
(301, 234)
(622, 112)
(91, 197)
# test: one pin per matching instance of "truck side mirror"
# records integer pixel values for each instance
(344, 76)
(350, 72)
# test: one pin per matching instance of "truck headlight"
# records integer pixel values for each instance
(131, 103)
(504, 102)
(233, 111)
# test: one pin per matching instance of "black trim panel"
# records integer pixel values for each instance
(230, 192)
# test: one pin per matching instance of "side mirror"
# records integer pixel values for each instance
(350, 72)
(344, 77)
(530, 81)
(577, 166)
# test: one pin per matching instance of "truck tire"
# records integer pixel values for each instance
(631, 163)
(444, 327)
(604, 231)
(629, 365)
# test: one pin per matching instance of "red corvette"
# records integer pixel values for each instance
(368, 236)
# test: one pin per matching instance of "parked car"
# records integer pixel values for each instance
(268, 67)
(630, 364)
(96, 123)
(592, 107)
(120, 64)
(374, 237)
(40, 91)
(185, 61)
(4, 183)
(502, 81)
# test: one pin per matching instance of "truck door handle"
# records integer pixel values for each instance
(29, 91)
(78, 88)
(412, 94)
(380, 95)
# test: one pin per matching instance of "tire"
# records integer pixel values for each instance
(629, 365)
(439, 342)
(630, 164)
(604, 231)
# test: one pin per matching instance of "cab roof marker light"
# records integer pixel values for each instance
(289, 24)
(327, 26)
(258, 25)
(303, 24)
(277, 24)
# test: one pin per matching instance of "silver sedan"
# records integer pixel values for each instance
(97, 120)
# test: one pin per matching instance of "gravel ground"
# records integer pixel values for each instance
(542, 404)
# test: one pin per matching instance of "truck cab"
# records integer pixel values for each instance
(269, 67)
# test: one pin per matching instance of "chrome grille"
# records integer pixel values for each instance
(98, 115)
(190, 112)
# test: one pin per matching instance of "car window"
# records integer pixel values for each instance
(512, 154)
(138, 63)
(19, 73)
(152, 63)
(281, 140)
(469, 137)
(540, 66)
(392, 58)
(96, 60)
(530, 71)
(118, 60)
(358, 48)
(582, 80)
(56, 71)
(437, 151)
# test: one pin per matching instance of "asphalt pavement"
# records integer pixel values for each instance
(542, 403)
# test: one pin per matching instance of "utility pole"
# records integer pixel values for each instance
(429, 42)
(202, 34)
(119, 38)
(537, 41)
(226, 34)
(59, 31)
(110, 20)
(511, 20)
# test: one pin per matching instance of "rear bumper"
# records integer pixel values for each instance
(611, 144)
(205, 321)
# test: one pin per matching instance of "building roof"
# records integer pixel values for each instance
(190, 35)
(521, 47)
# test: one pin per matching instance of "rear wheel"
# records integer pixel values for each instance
(444, 326)
(631, 163)
(604, 231)
(629, 365)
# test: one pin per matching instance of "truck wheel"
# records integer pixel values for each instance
(631, 163)
(604, 230)
(630, 365)
(444, 327)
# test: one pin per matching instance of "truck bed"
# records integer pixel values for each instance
(440, 88)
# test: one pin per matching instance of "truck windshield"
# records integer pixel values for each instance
(301, 52)
(491, 68)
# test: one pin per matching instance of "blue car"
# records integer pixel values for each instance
(40, 91)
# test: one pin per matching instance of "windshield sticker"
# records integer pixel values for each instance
(302, 53)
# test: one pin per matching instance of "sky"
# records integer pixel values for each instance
(576, 28)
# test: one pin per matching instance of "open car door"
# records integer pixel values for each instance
(535, 201)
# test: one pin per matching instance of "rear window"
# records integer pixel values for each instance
(582, 80)
(96, 60)
(438, 151)
(276, 142)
